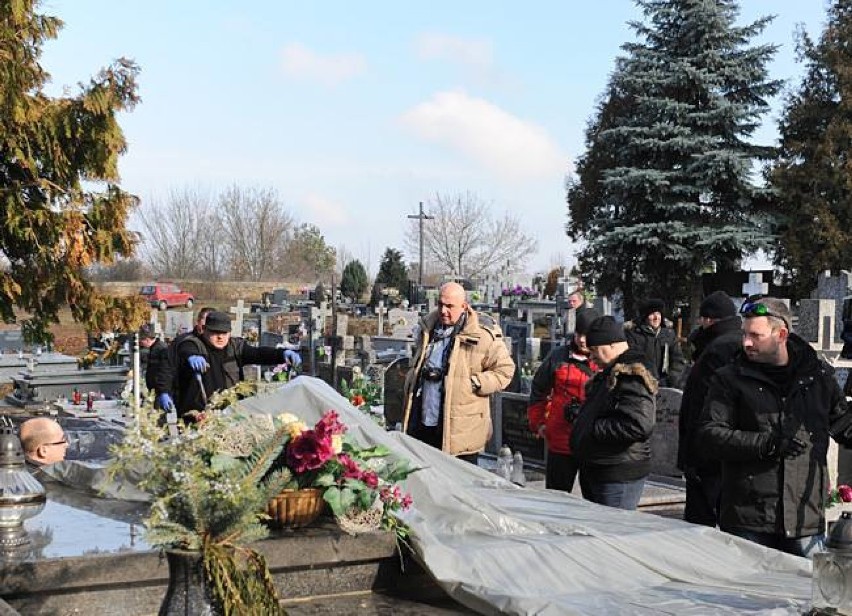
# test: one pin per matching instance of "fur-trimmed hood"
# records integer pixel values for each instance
(632, 369)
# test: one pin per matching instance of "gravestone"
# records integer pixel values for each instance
(11, 340)
(815, 324)
(403, 322)
(342, 325)
(511, 427)
(380, 312)
(178, 322)
(279, 296)
(836, 288)
(154, 320)
(664, 439)
(755, 285)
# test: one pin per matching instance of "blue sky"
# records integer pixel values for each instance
(355, 112)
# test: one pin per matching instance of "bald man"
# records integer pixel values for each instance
(43, 441)
(458, 363)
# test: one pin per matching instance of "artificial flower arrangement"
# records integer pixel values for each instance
(210, 486)
(358, 483)
(840, 494)
(362, 392)
(87, 359)
(518, 291)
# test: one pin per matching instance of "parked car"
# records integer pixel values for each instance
(164, 295)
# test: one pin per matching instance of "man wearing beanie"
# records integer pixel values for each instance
(558, 392)
(612, 432)
(718, 340)
(658, 342)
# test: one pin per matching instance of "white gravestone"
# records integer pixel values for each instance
(178, 322)
(240, 311)
(381, 312)
(402, 322)
(755, 285)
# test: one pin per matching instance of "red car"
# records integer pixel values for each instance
(164, 295)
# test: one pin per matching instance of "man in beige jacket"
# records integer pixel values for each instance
(458, 363)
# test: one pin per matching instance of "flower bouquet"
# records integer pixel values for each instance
(209, 486)
(358, 483)
(363, 393)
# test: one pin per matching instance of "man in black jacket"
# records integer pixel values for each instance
(214, 362)
(717, 342)
(768, 417)
(612, 430)
(153, 356)
(652, 337)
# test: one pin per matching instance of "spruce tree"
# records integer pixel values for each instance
(813, 173)
(664, 188)
(392, 271)
(54, 224)
(354, 281)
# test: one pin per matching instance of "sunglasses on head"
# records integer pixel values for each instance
(756, 309)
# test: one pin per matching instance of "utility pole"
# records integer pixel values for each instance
(421, 217)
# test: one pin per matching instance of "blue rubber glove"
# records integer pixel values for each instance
(166, 403)
(292, 357)
(198, 363)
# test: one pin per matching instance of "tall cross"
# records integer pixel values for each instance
(239, 310)
(381, 311)
(420, 217)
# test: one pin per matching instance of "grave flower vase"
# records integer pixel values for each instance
(188, 593)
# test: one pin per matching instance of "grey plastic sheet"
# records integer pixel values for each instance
(500, 549)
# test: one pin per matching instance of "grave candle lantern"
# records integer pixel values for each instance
(21, 494)
(832, 570)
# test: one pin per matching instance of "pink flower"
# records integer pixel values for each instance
(406, 501)
(350, 467)
(371, 479)
(330, 425)
(309, 451)
(845, 493)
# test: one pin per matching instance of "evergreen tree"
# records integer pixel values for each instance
(54, 227)
(354, 280)
(392, 271)
(813, 174)
(664, 187)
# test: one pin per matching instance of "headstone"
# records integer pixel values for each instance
(342, 325)
(511, 427)
(664, 439)
(240, 311)
(533, 349)
(403, 322)
(178, 322)
(815, 324)
(394, 386)
(603, 305)
(755, 285)
(837, 288)
(154, 320)
(279, 296)
(11, 340)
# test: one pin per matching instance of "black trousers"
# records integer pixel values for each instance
(434, 436)
(561, 471)
(703, 489)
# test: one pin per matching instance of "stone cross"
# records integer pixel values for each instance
(381, 311)
(755, 285)
(240, 310)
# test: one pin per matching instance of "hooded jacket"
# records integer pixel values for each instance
(475, 351)
(559, 382)
(744, 411)
(612, 433)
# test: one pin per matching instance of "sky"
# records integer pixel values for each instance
(356, 112)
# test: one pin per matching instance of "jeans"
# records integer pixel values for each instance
(800, 546)
(622, 494)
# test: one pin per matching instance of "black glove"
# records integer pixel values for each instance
(779, 447)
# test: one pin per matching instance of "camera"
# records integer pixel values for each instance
(571, 410)
(431, 373)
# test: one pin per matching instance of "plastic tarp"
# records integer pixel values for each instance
(500, 549)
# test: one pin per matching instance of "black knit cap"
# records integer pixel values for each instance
(217, 322)
(583, 318)
(649, 306)
(146, 331)
(717, 305)
(604, 330)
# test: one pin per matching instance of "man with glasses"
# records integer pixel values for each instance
(768, 416)
(43, 441)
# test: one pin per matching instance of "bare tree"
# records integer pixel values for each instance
(256, 229)
(466, 239)
(171, 230)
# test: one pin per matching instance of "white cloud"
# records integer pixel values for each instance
(325, 211)
(483, 132)
(474, 53)
(330, 69)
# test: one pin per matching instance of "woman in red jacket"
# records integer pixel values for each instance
(558, 392)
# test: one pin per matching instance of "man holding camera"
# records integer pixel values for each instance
(768, 417)
(458, 363)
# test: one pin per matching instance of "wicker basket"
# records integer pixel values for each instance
(295, 508)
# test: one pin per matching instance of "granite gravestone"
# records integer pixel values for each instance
(664, 439)
(511, 427)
